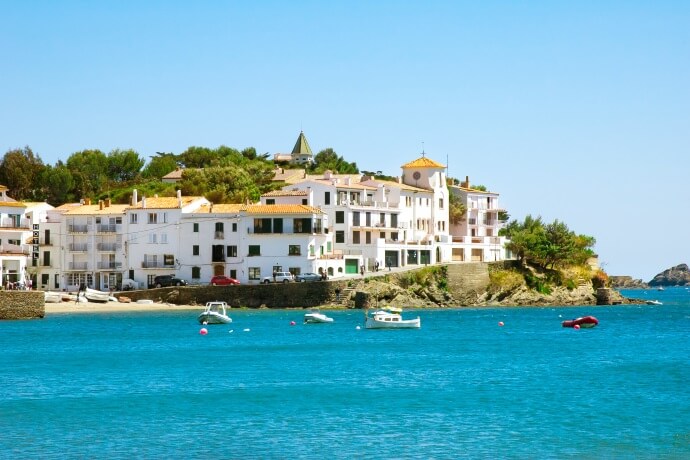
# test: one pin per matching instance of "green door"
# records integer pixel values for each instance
(351, 266)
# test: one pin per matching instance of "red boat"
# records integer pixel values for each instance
(585, 321)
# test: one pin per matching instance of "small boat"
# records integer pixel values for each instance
(215, 313)
(315, 317)
(52, 297)
(584, 322)
(92, 295)
(390, 318)
(660, 288)
(653, 302)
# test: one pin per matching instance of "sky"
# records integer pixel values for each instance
(576, 111)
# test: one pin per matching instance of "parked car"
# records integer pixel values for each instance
(302, 277)
(222, 280)
(167, 280)
(279, 277)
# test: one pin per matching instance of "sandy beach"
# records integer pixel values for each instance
(109, 307)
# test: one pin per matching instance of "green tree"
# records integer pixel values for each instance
(456, 207)
(160, 165)
(20, 172)
(200, 157)
(89, 169)
(328, 160)
(124, 165)
(57, 184)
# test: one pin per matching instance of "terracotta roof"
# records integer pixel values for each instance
(166, 202)
(288, 175)
(177, 174)
(259, 209)
(423, 162)
(95, 209)
(12, 204)
(472, 190)
(287, 193)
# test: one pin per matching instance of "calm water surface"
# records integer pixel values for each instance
(148, 385)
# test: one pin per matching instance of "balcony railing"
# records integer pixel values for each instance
(79, 247)
(78, 265)
(156, 264)
(109, 265)
(219, 235)
(108, 247)
(78, 228)
(14, 223)
(107, 228)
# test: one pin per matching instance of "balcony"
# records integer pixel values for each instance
(106, 228)
(78, 266)
(78, 228)
(79, 247)
(219, 235)
(109, 265)
(156, 264)
(108, 247)
(9, 222)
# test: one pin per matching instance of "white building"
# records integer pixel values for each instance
(19, 238)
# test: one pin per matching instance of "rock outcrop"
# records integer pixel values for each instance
(627, 282)
(674, 276)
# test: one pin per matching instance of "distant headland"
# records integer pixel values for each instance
(674, 276)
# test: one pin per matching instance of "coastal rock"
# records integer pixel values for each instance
(626, 282)
(674, 276)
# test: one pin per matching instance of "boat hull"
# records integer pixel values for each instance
(586, 322)
(214, 318)
(311, 318)
(93, 295)
(372, 323)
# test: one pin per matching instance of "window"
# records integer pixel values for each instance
(219, 234)
(382, 219)
(294, 250)
(168, 259)
(45, 277)
(234, 226)
(217, 253)
(232, 252)
(382, 235)
(440, 203)
(355, 237)
(46, 258)
(301, 225)
(270, 201)
(304, 201)
(262, 225)
(367, 219)
(254, 250)
(153, 238)
(118, 220)
(278, 225)
(254, 273)
(196, 227)
(368, 237)
(340, 217)
(195, 250)
(327, 198)
(355, 219)
(339, 236)
(196, 273)
(233, 274)
(164, 238)
(394, 220)
(133, 218)
(318, 226)
(394, 236)
(153, 218)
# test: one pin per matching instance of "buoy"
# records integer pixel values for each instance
(205, 323)
(292, 323)
(358, 328)
(203, 331)
(577, 326)
(500, 323)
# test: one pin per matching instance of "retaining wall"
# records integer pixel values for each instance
(22, 304)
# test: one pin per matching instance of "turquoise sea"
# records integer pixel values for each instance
(148, 385)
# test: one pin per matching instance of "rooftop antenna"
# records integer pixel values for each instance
(423, 149)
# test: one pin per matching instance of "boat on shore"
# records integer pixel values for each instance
(93, 295)
(390, 318)
(52, 297)
(215, 313)
(582, 322)
(315, 317)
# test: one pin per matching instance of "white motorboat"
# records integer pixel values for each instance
(314, 317)
(92, 295)
(215, 313)
(653, 302)
(390, 318)
(52, 297)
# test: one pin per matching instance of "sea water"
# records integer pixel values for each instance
(149, 385)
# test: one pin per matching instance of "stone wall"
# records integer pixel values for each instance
(289, 295)
(22, 304)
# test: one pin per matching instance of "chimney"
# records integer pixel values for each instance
(107, 202)
(135, 198)
(179, 198)
(87, 201)
(143, 202)
(100, 205)
(467, 182)
(347, 180)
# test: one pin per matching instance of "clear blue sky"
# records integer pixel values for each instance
(577, 111)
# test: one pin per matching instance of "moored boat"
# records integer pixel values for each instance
(584, 322)
(390, 318)
(215, 313)
(315, 317)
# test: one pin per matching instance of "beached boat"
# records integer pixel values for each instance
(315, 317)
(390, 318)
(93, 295)
(215, 313)
(584, 322)
(52, 297)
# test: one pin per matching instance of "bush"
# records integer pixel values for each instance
(505, 281)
